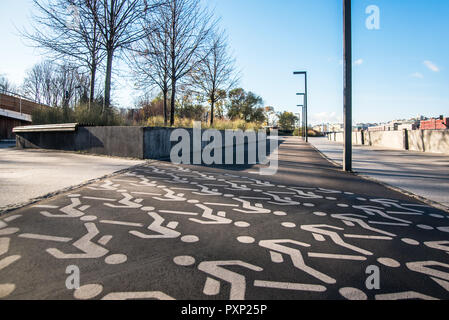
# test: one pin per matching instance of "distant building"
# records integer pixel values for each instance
(435, 124)
(15, 111)
(336, 127)
(364, 126)
(392, 126)
(321, 128)
(408, 126)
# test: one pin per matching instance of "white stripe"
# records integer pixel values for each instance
(44, 237)
(336, 256)
(122, 223)
(289, 286)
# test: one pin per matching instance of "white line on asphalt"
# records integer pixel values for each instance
(44, 237)
(122, 223)
(336, 256)
(289, 286)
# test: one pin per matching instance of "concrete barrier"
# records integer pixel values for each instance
(433, 141)
(110, 141)
(386, 139)
(132, 142)
(357, 137)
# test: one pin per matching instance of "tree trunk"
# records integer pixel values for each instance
(212, 104)
(93, 73)
(165, 107)
(172, 102)
(107, 88)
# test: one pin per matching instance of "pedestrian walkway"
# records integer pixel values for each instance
(30, 174)
(423, 174)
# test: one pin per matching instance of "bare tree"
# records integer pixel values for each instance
(119, 24)
(5, 85)
(215, 74)
(150, 59)
(187, 25)
(67, 29)
(54, 85)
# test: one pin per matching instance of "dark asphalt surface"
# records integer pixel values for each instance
(187, 232)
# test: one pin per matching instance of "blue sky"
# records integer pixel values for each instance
(400, 71)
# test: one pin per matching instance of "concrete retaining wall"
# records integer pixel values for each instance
(357, 137)
(433, 141)
(132, 142)
(110, 141)
(157, 144)
(436, 141)
(386, 139)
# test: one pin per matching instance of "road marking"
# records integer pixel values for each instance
(122, 223)
(156, 226)
(104, 240)
(185, 213)
(44, 237)
(237, 281)
(359, 236)
(289, 286)
(137, 295)
(85, 244)
(353, 294)
(8, 261)
(334, 237)
(6, 289)
(296, 257)
(408, 295)
(335, 256)
(100, 199)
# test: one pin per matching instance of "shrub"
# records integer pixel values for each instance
(83, 114)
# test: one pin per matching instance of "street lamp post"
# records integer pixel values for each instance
(301, 120)
(305, 100)
(347, 103)
(304, 116)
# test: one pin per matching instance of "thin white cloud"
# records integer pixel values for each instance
(358, 62)
(432, 66)
(325, 117)
(417, 75)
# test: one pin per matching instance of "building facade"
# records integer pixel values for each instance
(15, 111)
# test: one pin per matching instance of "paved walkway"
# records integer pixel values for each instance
(166, 231)
(423, 174)
(30, 174)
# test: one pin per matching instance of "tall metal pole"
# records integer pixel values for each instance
(304, 73)
(305, 106)
(347, 103)
(303, 123)
(301, 120)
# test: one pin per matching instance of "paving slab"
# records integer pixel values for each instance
(30, 174)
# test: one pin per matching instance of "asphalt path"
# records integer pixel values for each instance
(164, 231)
